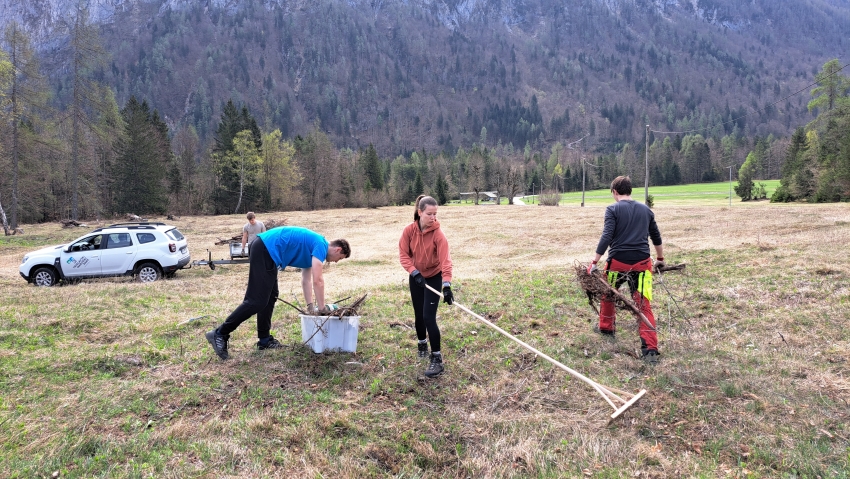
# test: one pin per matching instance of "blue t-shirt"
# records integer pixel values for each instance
(294, 246)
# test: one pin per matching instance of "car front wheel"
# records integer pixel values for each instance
(148, 272)
(44, 277)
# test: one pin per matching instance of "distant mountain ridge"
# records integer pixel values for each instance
(437, 74)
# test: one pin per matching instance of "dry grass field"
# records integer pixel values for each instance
(97, 379)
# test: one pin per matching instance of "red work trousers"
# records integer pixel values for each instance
(636, 275)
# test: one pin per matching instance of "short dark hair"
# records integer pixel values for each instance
(622, 185)
(343, 245)
(251, 215)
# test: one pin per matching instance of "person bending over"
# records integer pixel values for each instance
(276, 249)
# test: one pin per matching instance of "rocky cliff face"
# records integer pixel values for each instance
(47, 20)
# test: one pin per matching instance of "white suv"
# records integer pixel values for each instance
(146, 250)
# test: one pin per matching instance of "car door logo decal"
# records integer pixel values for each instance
(78, 262)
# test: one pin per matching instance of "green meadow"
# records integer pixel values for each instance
(709, 194)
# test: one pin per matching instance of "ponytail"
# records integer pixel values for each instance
(422, 202)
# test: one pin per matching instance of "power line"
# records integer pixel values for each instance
(758, 110)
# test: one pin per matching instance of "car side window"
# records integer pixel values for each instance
(145, 238)
(119, 240)
(87, 244)
(174, 234)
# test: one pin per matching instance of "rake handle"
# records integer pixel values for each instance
(602, 390)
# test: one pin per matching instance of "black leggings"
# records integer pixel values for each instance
(425, 305)
(261, 294)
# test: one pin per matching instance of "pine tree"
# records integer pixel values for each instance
(744, 189)
(26, 96)
(86, 53)
(441, 190)
(231, 187)
(372, 169)
(232, 122)
(142, 162)
(832, 87)
(793, 164)
(418, 186)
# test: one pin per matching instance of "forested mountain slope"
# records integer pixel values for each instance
(436, 75)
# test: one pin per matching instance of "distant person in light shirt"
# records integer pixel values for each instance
(251, 229)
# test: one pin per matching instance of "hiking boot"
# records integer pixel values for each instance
(423, 350)
(218, 342)
(272, 344)
(606, 333)
(436, 366)
(651, 357)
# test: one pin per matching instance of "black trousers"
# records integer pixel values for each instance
(261, 294)
(425, 305)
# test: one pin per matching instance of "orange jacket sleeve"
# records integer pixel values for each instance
(444, 255)
(405, 255)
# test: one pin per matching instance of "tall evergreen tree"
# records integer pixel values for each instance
(441, 190)
(832, 87)
(86, 53)
(372, 169)
(230, 175)
(141, 163)
(232, 122)
(418, 186)
(26, 94)
(793, 164)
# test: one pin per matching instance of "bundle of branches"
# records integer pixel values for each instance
(345, 309)
(71, 223)
(597, 288)
(275, 223)
(238, 238)
(136, 218)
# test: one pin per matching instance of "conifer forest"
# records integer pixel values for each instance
(168, 107)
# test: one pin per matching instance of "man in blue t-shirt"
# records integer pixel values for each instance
(276, 249)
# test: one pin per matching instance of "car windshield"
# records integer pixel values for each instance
(174, 234)
(87, 243)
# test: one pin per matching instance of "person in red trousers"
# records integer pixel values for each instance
(627, 226)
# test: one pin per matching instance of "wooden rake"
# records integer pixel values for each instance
(618, 399)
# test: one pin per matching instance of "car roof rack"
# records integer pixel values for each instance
(132, 225)
(135, 223)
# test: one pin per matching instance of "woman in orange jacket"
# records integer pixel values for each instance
(424, 253)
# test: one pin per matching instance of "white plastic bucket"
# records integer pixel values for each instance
(331, 333)
(236, 250)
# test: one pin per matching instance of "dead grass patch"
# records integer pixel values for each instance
(96, 378)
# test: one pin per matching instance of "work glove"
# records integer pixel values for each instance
(591, 268)
(448, 297)
(331, 307)
(659, 263)
(312, 309)
(243, 252)
(417, 278)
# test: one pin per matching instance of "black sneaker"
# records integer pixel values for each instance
(436, 366)
(218, 342)
(272, 344)
(607, 333)
(423, 350)
(651, 357)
